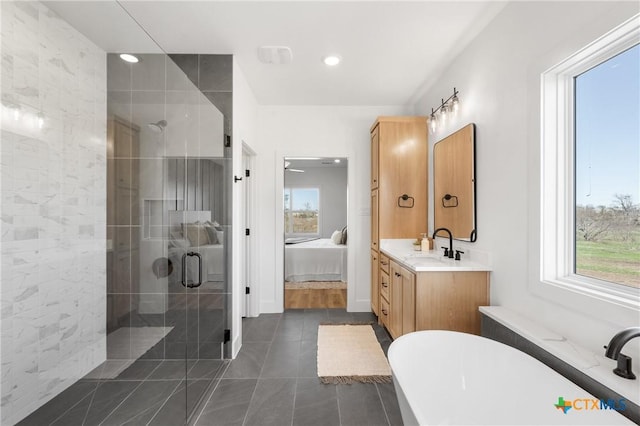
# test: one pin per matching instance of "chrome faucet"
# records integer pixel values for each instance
(614, 348)
(447, 251)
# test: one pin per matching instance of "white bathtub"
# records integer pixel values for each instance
(450, 378)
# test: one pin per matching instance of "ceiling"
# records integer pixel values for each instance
(391, 50)
(303, 164)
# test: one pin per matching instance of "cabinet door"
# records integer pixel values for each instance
(395, 302)
(374, 219)
(375, 291)
(408, 301)
(375, 149)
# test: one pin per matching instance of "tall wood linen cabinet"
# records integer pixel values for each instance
(399, 193)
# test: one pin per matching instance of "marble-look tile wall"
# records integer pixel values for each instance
(52, 222)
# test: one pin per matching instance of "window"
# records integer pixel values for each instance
(302, 211)
(590, 177)
(607, 170)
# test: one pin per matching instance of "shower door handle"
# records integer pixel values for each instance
(185, 281)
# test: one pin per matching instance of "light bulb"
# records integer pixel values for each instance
(433, 122)
(455, 104)
(40, 120)
(444, 112)
(16, 113)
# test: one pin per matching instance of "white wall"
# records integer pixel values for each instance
(498, 76)
(327, 131)
(332, 182)
(53, 211)
(245, 119)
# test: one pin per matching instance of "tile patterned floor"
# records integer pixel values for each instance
(273, 381)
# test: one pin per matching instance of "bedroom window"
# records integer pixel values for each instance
(590, 216)
(302, 211)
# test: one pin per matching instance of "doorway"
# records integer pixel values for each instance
(315, 197)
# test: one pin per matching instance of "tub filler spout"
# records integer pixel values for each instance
(614, 348)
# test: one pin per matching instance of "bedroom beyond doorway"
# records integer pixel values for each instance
(316, 235)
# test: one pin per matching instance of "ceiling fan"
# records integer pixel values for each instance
(287, 169)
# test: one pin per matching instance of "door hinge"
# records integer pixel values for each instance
(247, 173)
(247, 290)
(227, 141)
(247, 231)
(227, 335)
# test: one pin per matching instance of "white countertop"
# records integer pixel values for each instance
(401, 251)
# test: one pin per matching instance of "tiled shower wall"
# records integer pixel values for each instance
(52, 182)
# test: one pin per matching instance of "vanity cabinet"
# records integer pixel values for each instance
(398, 186)
(401, 301)
(450, 300)
(430, 300)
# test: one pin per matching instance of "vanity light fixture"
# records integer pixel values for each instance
(129, 58)
(447, 108)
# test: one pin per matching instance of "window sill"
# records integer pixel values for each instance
(607, 292)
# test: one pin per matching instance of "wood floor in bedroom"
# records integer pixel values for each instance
(305, 296)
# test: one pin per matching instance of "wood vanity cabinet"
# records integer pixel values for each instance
(450, 300)
(430, 300)
(401, 300)
(398, 167)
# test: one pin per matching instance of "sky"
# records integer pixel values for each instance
(301, 196)
(608, 131)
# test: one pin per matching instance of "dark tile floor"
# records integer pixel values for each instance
(273, 381)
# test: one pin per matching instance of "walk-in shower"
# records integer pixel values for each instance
(116, 198)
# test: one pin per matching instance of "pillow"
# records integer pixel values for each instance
(336, 237)
(211, 233)
(177, 240)
(343, 241)
(196, 233)
(215, 224)
(220, 237)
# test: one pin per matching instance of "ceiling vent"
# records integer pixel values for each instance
(278, 55)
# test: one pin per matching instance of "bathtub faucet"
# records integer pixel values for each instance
(614, 348)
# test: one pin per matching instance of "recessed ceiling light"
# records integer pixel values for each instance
(128, 58)
(331, 60)
(337, 160)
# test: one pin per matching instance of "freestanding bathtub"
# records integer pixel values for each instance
(451, 378)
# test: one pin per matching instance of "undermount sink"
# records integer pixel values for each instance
(423, 258)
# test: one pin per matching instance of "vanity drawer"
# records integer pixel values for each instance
(384, 312)
(384, 284)
(384, 262)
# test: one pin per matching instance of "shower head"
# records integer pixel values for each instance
(158, 127)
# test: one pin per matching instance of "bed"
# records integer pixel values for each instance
(317, 260)
(183, 241)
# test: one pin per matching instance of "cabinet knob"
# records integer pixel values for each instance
(384, 312)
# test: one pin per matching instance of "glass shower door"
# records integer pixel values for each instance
(168, 217)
